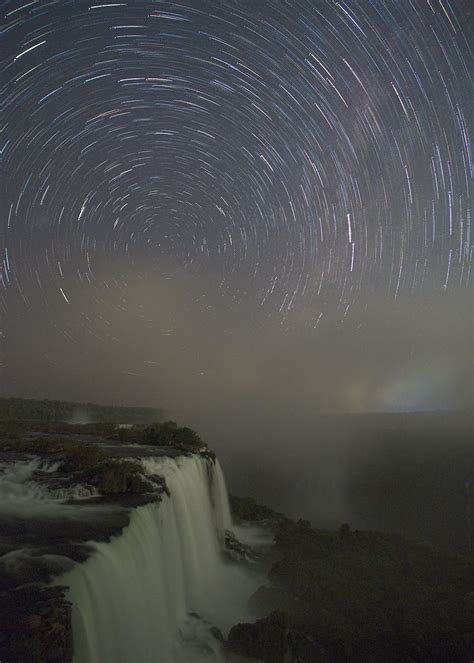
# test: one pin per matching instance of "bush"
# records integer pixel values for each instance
(117, 477)
(161, 434)
(188, 437)
(82, 457)
(168, 434)
(246, 508)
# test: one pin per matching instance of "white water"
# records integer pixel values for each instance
(16, 483)
(21, 494)
(221, 501)
(133, 597)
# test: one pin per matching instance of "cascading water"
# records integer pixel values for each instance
(16, 485)
(21, 494)
(141, 597)
(220, 500)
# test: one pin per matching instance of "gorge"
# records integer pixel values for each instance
(121, 545)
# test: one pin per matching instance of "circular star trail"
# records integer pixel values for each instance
(306, 155)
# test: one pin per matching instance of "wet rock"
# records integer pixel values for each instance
(236, 551)
(35, 626)
(216, 634)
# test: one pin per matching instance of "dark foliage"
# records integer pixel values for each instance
(119, 477)
(247, 509)
(368, 596)
(168, 434)
(163, 434)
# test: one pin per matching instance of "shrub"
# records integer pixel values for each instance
(82, 457)
(116, 477)
(188, 437)
(168, 434)
(161, 434)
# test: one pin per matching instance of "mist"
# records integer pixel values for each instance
(271, 401)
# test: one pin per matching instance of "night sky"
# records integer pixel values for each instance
(252, 208)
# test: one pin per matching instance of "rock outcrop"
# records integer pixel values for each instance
(35, 626)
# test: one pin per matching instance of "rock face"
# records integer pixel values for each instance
(35, 626)
(266, 640)
(239, 552)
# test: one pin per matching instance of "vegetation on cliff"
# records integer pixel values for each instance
(51, 436)
(247, 509)
(118, 477)
(169, 434)
(162, 434)
(84, 463)
(360, 596)
(82, 460)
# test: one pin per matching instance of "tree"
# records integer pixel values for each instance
(188, 437)
(161, 434)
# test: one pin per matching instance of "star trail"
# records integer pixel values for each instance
(295, 160)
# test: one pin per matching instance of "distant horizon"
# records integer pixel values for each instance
(316, 414)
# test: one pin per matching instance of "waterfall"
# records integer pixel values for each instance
(142, 597)
(221, 501)
(22, 495)
(16, 482)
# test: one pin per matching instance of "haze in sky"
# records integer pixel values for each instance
(238, 211)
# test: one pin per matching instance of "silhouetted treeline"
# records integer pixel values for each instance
(162, 434)
(17, 427)
(46, 410)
